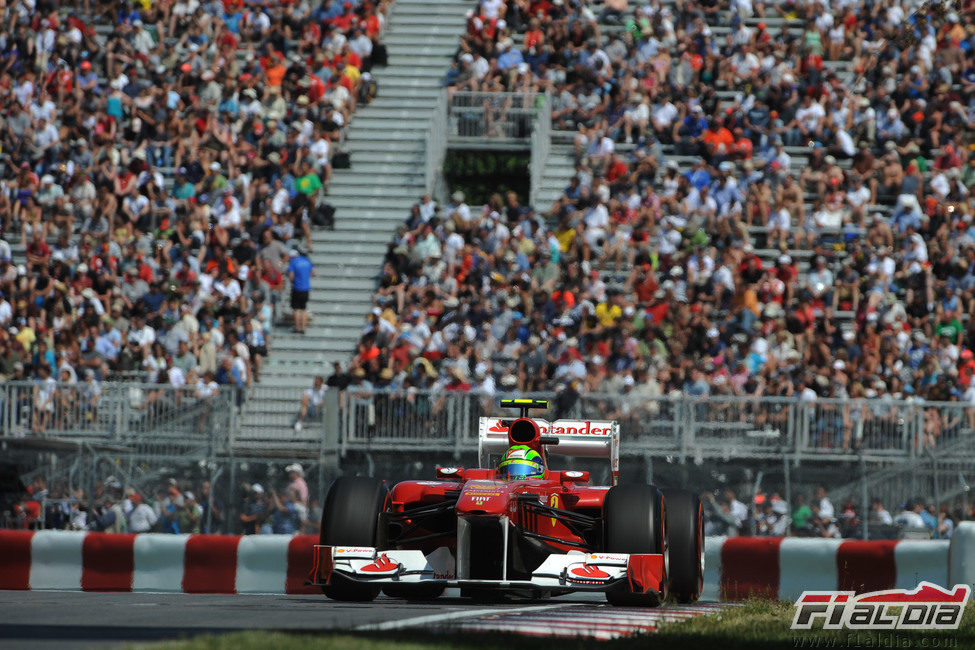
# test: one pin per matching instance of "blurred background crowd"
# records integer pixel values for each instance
(773, 212)
(282, 506)
(162, 163)
(816, 516)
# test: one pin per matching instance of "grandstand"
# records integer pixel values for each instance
(855, 292)
(813, 228)
(387, 145)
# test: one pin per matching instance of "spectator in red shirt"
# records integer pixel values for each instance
(458, 380)
(966, 368)
(368, 356)
(660, 306)
(615, 169)
(373, 25)
(38, 252)
(743, 147)
(345, 19)
(271, 276)
(534, 37)
(644, 283)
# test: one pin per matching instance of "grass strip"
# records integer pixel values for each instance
(766, 624)
(756, 624)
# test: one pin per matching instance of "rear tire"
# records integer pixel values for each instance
(635, 522)
(685, 539)
(350, 517)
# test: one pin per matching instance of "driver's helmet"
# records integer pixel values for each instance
(521, 461)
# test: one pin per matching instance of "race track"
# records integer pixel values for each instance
(62, 619)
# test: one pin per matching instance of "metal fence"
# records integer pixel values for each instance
(476, 116)
(144, 416)
(162, 419)
(269, 414)
(722, 426)
(716, 426)
(142, 433)
(941, 437)
(410, 420)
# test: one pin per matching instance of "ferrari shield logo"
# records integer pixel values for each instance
(553, 501)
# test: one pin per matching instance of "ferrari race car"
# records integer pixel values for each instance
(528, 533)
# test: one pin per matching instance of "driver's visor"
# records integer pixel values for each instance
(520, 469)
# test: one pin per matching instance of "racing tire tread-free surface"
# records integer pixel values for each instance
(684, 545)
(635, 523)
(350, 518)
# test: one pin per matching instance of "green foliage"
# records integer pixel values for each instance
(479, 174)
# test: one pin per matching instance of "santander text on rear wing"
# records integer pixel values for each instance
(582, 438)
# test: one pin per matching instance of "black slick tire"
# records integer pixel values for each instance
(634, 522)
(685, 545)
(350, 517)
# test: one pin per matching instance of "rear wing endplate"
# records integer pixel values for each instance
(581, 438)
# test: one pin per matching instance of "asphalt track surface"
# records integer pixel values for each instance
(64, 619)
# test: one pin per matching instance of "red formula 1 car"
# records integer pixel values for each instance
(491, 535)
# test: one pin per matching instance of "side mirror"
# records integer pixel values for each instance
(574, 476)
(450, 473)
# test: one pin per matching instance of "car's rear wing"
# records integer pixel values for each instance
(583, 438)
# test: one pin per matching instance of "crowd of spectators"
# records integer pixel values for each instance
(696, 251)
(176, 508)
(161, 163)
(771, 516)
(285, 507)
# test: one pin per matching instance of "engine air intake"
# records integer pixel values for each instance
(523, 432)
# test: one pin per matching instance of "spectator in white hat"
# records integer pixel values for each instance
(297, 484)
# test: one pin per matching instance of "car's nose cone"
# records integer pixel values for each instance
(483, 498)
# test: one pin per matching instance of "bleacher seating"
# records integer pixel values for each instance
(167, 141)
(464, 301)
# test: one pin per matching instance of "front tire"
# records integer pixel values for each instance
(635, 522)
(685, 540)
(350, 517)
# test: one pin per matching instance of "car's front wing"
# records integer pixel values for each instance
(572, 571)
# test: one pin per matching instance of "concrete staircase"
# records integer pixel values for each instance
(387, 141)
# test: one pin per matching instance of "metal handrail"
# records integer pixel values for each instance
(541, 140)
(436, 145)
(463, 98)
(488, 116)
(165, 419)
(726, 426)
(127, 413)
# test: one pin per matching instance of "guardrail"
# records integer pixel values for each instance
(479, 116)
